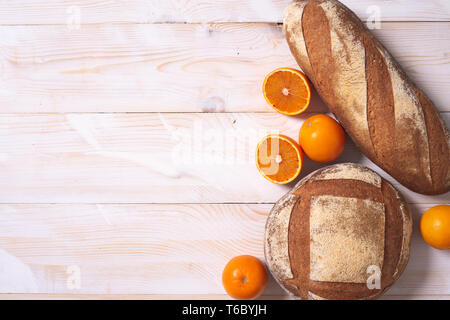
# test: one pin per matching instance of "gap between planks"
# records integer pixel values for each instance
(279, 24)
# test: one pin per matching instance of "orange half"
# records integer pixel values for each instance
(279, 159)
(287, 90)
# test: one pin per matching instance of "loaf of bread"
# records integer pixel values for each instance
(386, 115)
(336, 232)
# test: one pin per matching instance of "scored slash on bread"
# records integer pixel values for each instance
(385, 114)
(323, 235)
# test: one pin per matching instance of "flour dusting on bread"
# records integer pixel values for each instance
(348, 171)
(276, 247)
(292, 22)
(347, 236)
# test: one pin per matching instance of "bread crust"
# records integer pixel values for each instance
(386, 115)
(298, 240)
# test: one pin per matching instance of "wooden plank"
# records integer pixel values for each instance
(179, 68)
(148, 158)
(144, 11)
(45, 296)
(157, 249)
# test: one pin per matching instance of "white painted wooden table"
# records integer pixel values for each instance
(127, 133)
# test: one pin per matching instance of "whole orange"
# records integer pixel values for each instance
(244, 277)
(435, 227)
(322, 138)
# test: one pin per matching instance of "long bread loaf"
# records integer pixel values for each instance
(386, 115)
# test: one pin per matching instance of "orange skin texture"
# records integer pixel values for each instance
(287, 90)
(244, 277)
(322, 138)
(435, 227)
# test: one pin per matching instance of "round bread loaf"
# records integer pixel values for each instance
(342, 232)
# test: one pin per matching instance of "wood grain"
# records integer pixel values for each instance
(180, 68)
(151, 11)
(46, 296)
(148, 158)
(157, 249)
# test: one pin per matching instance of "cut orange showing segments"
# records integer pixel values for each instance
(279, 159)
(287, 90)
